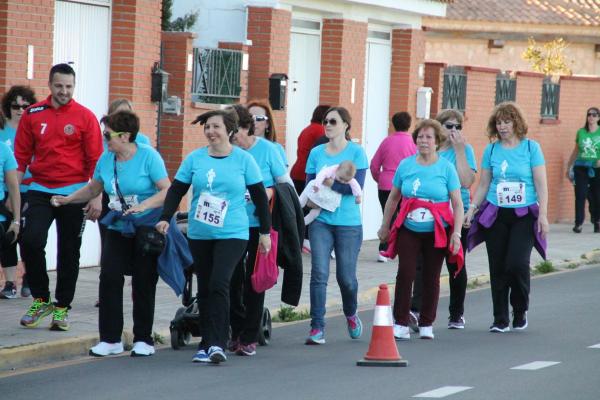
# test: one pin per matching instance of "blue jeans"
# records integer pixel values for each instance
(346, 240)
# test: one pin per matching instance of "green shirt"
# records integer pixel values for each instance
(588, 144)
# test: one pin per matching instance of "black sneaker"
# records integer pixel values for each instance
(499, 328)
(520, 320)
(456, 322)
(9, 291)
(577, 228)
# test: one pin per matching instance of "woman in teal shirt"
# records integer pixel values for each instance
(219, 174)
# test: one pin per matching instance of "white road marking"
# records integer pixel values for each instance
(536, 365)
(596, 346)
(442, 392)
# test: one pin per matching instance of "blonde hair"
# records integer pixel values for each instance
(116, 104)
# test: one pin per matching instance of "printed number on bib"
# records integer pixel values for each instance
(420, 215)
(115, 203)
(211, 210)
(510, 193)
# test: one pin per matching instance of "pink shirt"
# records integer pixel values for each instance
(391, 151)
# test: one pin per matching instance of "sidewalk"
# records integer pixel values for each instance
(20, 347)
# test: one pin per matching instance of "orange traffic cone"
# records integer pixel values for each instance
(382, 349)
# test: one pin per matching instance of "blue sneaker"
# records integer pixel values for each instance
(354, 326)
(216, 354)
(201, 357)
(316, 336)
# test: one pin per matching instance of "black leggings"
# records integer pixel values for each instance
(509, 242)
(246, 304)
(586, 188)
(214, 263)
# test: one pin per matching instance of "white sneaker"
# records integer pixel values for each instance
(306, 246)
(426, 332)
(401, 332)
(103, 349)
(381, 258)
(142, 349)
(332, 254)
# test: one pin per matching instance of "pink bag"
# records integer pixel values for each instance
(266, 271)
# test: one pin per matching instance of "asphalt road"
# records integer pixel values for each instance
(554, 355)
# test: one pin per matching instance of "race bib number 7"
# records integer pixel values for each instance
(419, 215)
(511, 193)
(211, 210)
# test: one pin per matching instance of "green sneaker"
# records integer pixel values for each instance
(60, 319)
(38, 310)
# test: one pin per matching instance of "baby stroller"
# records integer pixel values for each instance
(186, 322)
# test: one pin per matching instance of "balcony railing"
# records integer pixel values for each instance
(550, 99)
(455, 88)
(216, 75)
(506, 88)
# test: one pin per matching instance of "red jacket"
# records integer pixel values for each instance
(306, 142)
(60, 146)
(440, 212)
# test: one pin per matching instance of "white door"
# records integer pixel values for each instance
(303, 87)
(376, 121)
(82, 39)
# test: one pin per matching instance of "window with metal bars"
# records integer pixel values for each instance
(550, 99)
(506, 88)
(455, 88)
(216, 75)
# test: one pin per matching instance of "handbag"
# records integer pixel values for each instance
(266, 271)
(148, 241)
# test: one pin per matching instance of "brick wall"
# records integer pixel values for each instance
(269, 29)
(343, 54)
(24, 23)
(434, 78)
(408, 51)
(555, 137)
(135, 47)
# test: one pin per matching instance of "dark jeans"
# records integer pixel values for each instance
(246, 305)
(458, 284)
(409, 245)
(509, 242)
(214, 263)
(586, 188)
(120, 257)
(69, 229)
(383, 196)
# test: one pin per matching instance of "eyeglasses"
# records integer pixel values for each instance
(332, 122)
(592, 114)
(19, 106)
(449, 126)
(109, 135)
(258, 118)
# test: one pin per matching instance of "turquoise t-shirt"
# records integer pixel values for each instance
(221, 182)
(137, 178)
(450, 155)
(8, 163)
(512, 169)
(348, 213)
(271, 167)
(281, 151)
(426, 182)
(7, 135)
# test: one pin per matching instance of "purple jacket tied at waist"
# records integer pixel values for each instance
(486, 216)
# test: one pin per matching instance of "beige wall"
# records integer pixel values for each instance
(474, 52)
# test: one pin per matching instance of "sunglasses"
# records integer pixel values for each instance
(332, 122)
(450, 126)
(19, 106)
(109, 135)
(592, 114)
(259, 118)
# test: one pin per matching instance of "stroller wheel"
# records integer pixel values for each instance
(179, 337)
(264, 333)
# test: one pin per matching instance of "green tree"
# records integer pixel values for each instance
(548, 58)
(167, 13)
(184, 23)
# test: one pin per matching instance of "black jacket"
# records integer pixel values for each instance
(288, 221)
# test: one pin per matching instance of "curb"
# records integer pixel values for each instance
(32, 355)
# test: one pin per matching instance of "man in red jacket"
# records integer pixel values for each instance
(60, 141)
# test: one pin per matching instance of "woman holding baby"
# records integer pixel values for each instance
(339, 230)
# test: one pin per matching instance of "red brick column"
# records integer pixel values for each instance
(343, 55)
(408, 52)
(244, 82)
(23, 23)
(135, 47)
(434, 78)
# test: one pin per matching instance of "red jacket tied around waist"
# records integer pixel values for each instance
(441, 213)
